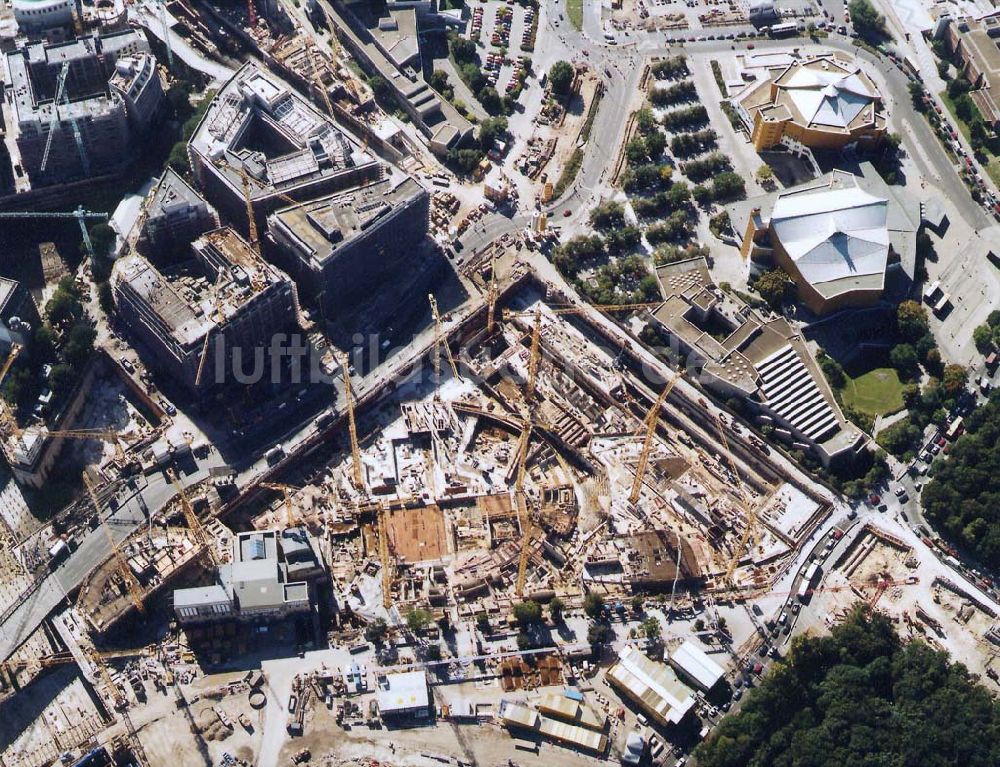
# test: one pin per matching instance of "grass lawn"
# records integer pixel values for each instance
(950, 106)
(574, 9)
(877, 392)
(993, 170)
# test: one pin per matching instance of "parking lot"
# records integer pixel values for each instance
(701, 15)
(501, 30)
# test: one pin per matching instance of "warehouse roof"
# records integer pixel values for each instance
(654, 686)
(572, 711)
(695, 663)
(402, 692)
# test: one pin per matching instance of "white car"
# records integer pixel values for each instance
(655, 746)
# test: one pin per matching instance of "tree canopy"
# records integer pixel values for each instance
(561, 77)
(859, 697)
(961, 499)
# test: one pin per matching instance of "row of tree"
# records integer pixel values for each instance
(860, 697)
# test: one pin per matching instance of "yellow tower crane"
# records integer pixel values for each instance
(241, 171)
(251, 219)
(286, 491)
(523, 517)
(193, 523)
(131, 582)
(439, 341)
(492, 294)
(649, 424)
(121, 705)
(111, 437)
(536, 353)
(358, 471)
(388, 575)
(752, 511)
(7, 419)
(606, 308)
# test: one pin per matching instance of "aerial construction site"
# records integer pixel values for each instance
(526, 456)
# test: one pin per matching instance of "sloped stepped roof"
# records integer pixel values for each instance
(833, 236)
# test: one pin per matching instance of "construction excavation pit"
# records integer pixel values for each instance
(540, 464)
(528, 456)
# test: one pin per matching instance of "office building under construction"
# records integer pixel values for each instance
(342, 246)
(77, 107)
(261, 140)
(196, 318)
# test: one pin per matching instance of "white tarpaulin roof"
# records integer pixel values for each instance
(835, 234)
(828, 98)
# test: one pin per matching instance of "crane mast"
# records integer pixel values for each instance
(358, 474)
(536, 353)
(80, 214)
(131, 582)
(647, 445)
(439, 341)
(523, 517)
(491, 295)
(197, 530)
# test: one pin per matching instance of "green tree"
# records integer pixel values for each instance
(490, 99)
(600, 634)
(656, 144)
(105, 297)
(593, 605)
(64, 308)
(43, 344)
(765, 174)
(903, 357)
(376, 631)
(860, 696)
(418, 619)
(433, 652)
(608, 215)
(102, 238)
(561, 77)
(911, 320)
(462, 49)
(774, 287)
(62, 379)
(868, 22)
(527, 613)
(491, 129)
(178, 159)
(556, 609)
(982, 336)
(645, 121)
(464, 161)
(439, 81)
(651, 628)
(954, 379)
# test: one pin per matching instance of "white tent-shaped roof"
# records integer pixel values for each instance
(828, 97)
(833, 235)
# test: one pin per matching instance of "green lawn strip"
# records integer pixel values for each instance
(574, 9)
(877, 392)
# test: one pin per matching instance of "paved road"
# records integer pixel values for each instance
(92, 549)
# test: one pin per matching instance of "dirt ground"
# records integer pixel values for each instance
(567, 133)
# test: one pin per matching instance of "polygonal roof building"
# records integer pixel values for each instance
(824, 102)
(837, 237)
